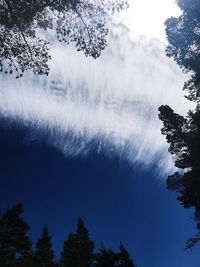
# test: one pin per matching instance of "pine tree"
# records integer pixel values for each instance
(44, 255)
(183, 133)
(15, 244)
(69, 255)
(106, 258)
(85, 245)
(28, 260)
(125, 259)
(183, 38)
(78, 248)
(22, 48)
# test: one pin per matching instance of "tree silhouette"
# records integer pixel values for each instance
(22, 46)
(106, 258)
(125, 259)
(15, 244)
(78, 250)
(183, 133)
(109, 258)
(184, 43)
(85, 245)
(69, 255)
(44, 255)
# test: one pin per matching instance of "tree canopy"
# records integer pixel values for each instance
(22, 44)
(78, 250)
(15, 243)
(183, 133)
(44, 255)
(183, 34)
(85, 244)
(69, 255)
(109, 258)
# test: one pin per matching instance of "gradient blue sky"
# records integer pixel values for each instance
(116, 201)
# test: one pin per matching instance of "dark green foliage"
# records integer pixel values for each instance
(69, 255)
(44, 255)
(175, 131)
(82, 22)
(183, 134)
(28, 260)
(15, 245)
(106, 258)
(78, 252)
(78, 248)
(125, 259)
(85, 245)
(183, 34)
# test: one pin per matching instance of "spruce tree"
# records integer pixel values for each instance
(125, 259)
(85, 245)
(106, 258)
(69, 255)
(44, 255)
(22, 48)
(183, 133)
(28, 260)
(78, 248)
(15, 244)
(183, 38)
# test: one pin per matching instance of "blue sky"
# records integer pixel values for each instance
(86, 141)
(118, 202)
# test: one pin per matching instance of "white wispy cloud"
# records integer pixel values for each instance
(109, 105)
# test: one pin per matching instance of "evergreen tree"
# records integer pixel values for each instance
(81, 22)
(106, 258)
(183, 134)
(70, 253)
(44, 255)
(15, 244)
(184, 42)
(28, 260)
(125, 259)
(78, 248)
(85, 245)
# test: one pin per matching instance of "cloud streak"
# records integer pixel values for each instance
(108, 105)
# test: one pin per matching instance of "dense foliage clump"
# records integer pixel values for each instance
(78, 251)
(183, 133)
(82, 22)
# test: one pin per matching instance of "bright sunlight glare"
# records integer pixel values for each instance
(147, 17)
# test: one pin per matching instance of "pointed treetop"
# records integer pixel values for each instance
(44, 252)
(14, 241)
(126, 260)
